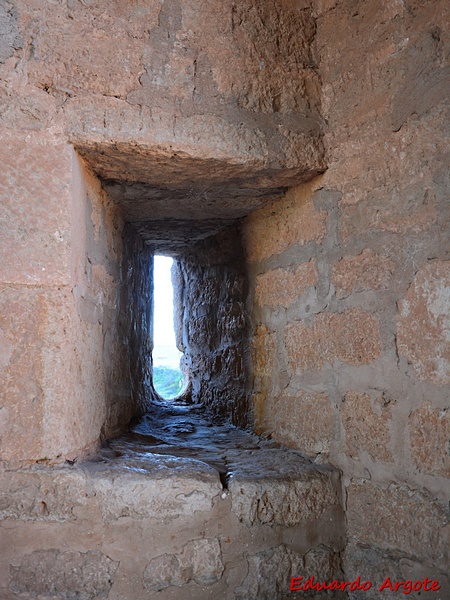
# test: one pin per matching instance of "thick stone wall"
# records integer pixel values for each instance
(62, 363)
(214, 325)
(350, 281)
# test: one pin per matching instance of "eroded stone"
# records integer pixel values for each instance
(426, 308)
(200, 561)
(67, 575)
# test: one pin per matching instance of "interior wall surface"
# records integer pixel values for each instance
(136, 315)
(63, 381)
(350, 279)
(214, 325)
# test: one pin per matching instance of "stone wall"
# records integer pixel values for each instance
(349, 280)
(214, 325)
(62, 363)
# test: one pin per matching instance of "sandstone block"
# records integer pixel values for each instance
(304, 421)
(375, 566)
(398, 518)
(67, 575)
(200, 561)
(153, 486)
(264, 352)
(269, 572)
(426, 309)
(366, 422)
(281, 287)
(429, 434)
(274, 487)
(292, 220)
(367, 271)
(352, 337)
(35, 189)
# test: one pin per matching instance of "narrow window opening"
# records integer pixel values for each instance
(168, 379)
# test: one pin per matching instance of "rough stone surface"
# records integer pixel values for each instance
(367, 271)
(67, 575)
(280, 490)
(429, 433)
(426, 307)
(352, 337)
(282, 287)
(214, 325)
(357, 365)
(375, 565)
(304, 421)
(366, 423)
(268, 570)
(375, 516)
(200, 561)
(293, 221)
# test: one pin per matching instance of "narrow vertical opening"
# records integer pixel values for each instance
(168, 379)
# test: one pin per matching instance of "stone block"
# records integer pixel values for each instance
(305, 421)
(366, 423)
(264, 352)
(400, 519)
(426, 309)
(429, 435)
(67, 575)
(281, 287)
(292, 220)
(199, 561)
(376, 565)
(367, 271)
(352, 337)
(270, 572)
(274, 487)
(35, 189)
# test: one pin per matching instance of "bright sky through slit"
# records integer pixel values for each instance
(165, 351)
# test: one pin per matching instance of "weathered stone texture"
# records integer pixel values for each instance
(429, 434)
(376, 565)
(10, 38)
(366, 422)
(282, 287)
(264, 352)
(367, 271)
(67, 575)
(214, 325)
(398, 518)
(200, 561)
(426, 309)
(293, 221)
(294, 492)
(304, 421)
(35, 188)
(268, 570)
(352, 337)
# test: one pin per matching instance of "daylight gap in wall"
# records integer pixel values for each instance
(168, 379)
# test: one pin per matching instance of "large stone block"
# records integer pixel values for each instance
(66, 575)
(375, 566)
(36, 196)
(270, 572)
(305, 421)
(429, 434)
(426, 309)
(398, 518)
(366, 423)
(199, 561)
(367, 271)
(293, 220)
(280, 488)
(352, 337)
(281, 287)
